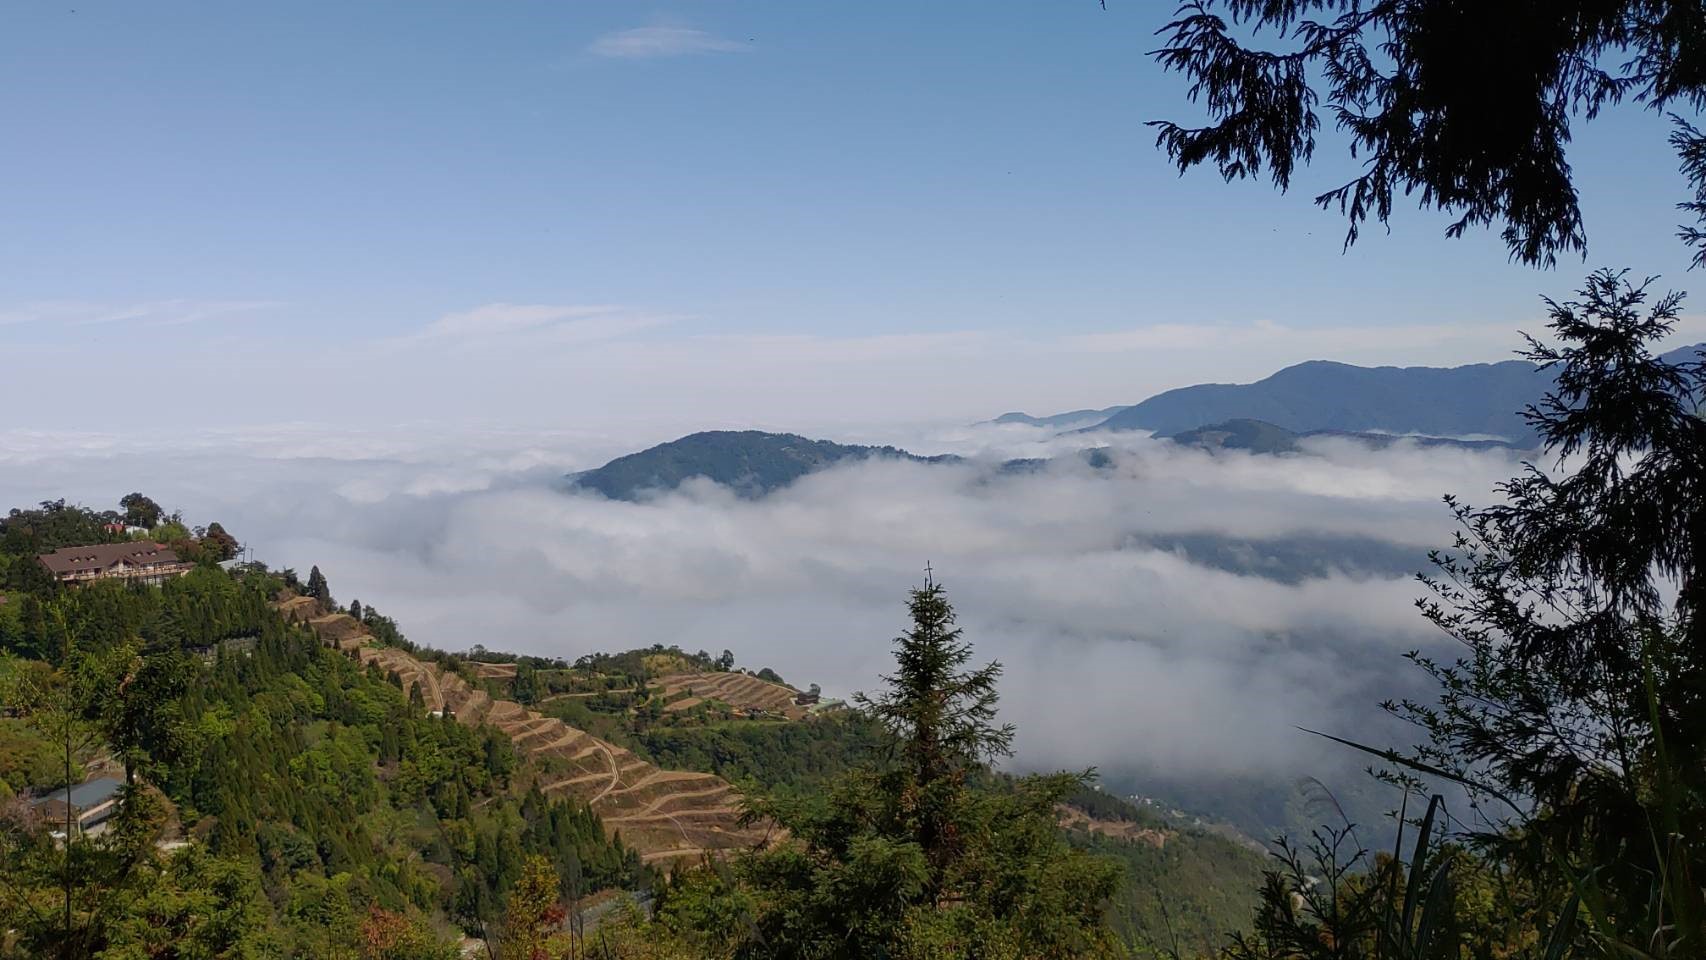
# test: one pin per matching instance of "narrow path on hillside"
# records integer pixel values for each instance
(651, 807)
(578, 696)
(615, 774)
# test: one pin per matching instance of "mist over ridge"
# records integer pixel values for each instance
(1161, 612)
(1170, 610)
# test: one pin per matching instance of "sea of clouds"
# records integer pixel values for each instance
(1123, 648)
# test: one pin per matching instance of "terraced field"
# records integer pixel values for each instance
(298, 608)
(494, 671)
(1074, 818)
(739, 690)
(665, 815)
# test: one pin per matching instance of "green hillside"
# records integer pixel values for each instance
(280, 800)
(750, 462)
(285, 801)
(1256, 436)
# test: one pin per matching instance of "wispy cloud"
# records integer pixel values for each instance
(1324, 339)
(149, 313)
(560, 323)
(661, 40)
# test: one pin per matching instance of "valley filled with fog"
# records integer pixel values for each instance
(1173, 617)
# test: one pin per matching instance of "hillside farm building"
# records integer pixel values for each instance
(138, 561)
(88, 804)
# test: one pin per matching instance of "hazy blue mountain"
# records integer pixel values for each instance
(1689, 354)
(1256, 436)
(1311, 399)
(1482, 398)
(1259, 436)
(751, 462)
(1322, 395)
(1070, 418)
(1292, 558)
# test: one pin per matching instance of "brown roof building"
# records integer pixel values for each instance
(136, 560)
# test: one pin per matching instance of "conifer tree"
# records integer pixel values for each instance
(318, 588)
(1573, 714)
(925, 853)
(940, 715)
(1463, 107)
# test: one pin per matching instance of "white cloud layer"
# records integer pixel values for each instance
(1121, 650)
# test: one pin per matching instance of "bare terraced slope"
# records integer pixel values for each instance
(665, 815)
(739, 690)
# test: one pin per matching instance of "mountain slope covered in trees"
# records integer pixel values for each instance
(246, 744)
(751, 462)
(252, 715)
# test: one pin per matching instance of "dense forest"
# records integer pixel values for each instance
(246, 745)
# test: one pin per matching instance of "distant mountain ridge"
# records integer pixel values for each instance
(1060, 419)
(1479, 399)
(1376, 406)
(1259, 436)
(751, 462)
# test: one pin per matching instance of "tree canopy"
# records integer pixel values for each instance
(921, 852)
(1467, 107)
(140, 510)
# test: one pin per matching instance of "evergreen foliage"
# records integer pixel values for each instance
(1465, 106)
(751, 462)
(49, 526)
(940, 720)
(1572, 720)
(776, 755)
(915, 855)
(318, 588)
(255, 753)
(140, 511)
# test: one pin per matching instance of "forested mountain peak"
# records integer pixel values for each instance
(751, 462)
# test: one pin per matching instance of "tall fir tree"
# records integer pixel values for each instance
(940, 715)
(925, 852)
(318, 588)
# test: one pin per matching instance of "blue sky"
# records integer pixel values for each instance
(592, 215)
